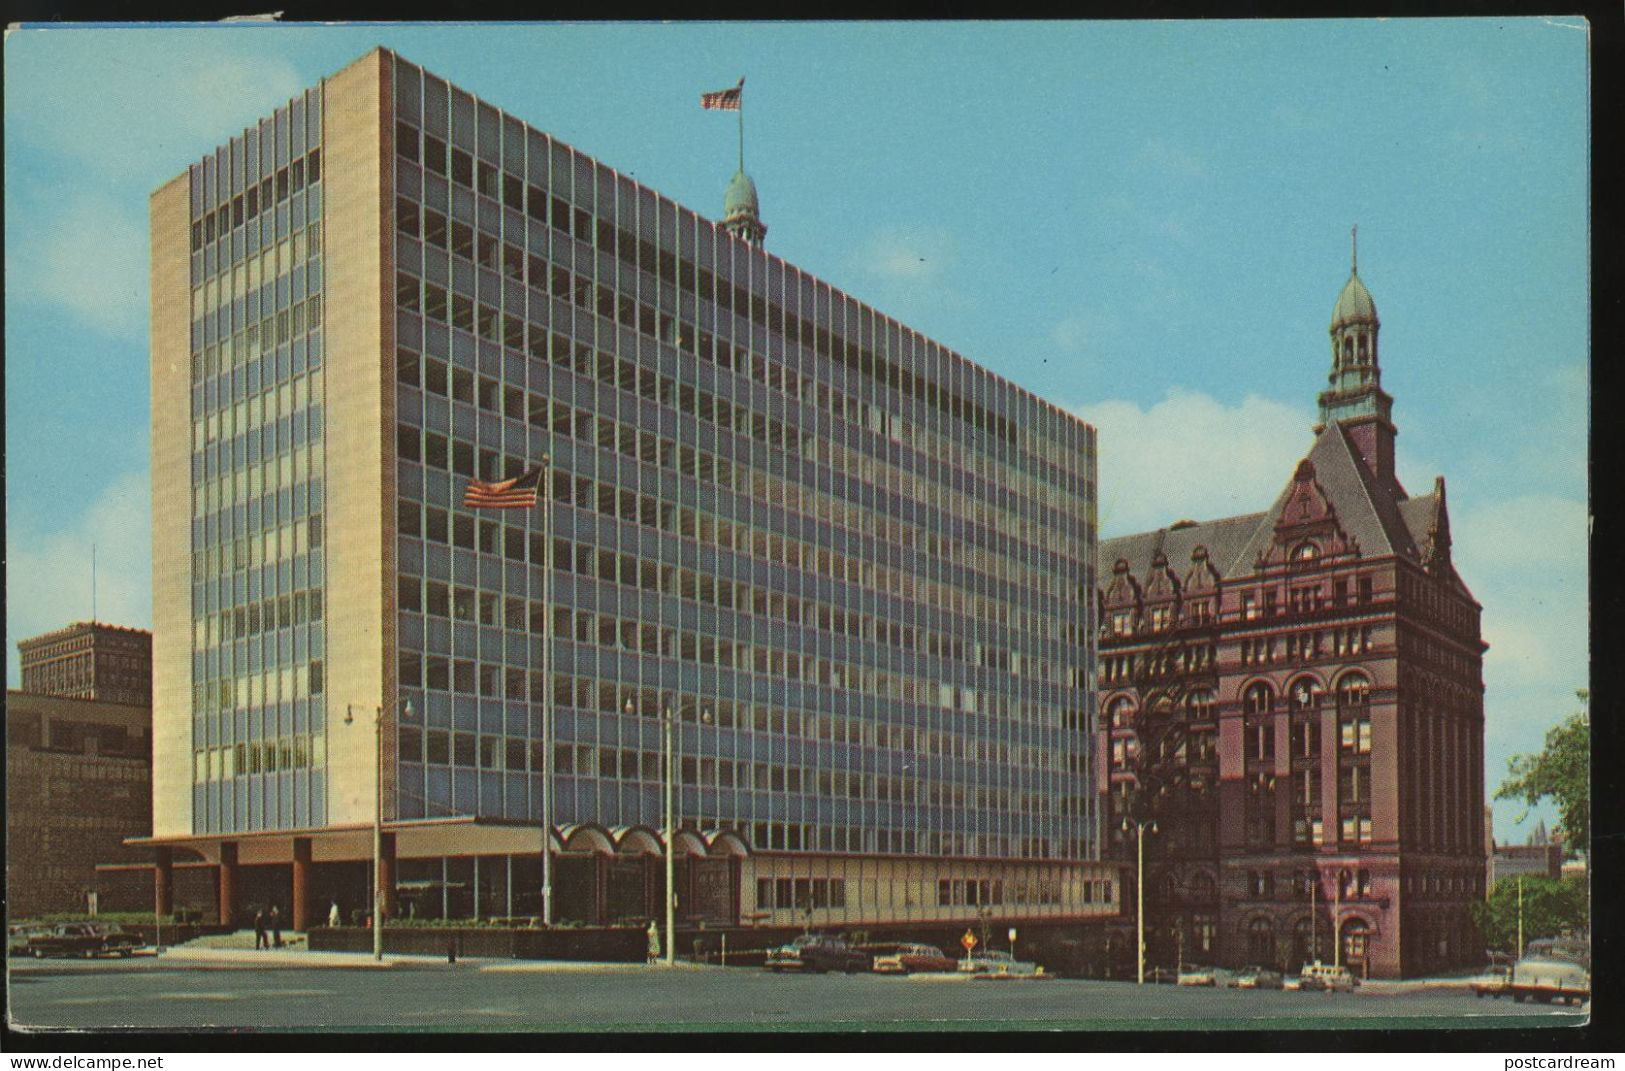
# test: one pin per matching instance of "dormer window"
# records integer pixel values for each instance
(1306, 553)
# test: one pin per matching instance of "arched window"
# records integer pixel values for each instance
(1304, 695)
(1356, 941)
(1353, 691)
(1348, 349)
(1258, 699)
(1261, 941)
(1303, 940)
(1306, 553)
(1121, 712)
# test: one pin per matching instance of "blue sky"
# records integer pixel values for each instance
(1145, 222)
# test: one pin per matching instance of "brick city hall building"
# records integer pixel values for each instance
(1292, 709)
(849, 569)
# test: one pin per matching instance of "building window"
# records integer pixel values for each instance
(1261, 941)
(1258, 699)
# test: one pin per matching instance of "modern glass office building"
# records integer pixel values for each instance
(854, 569)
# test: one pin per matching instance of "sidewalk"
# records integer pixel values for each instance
(1386, 986)
(302, 957)
(191, 955)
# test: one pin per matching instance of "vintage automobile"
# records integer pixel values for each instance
(815, 953)
(908, 959)
(1161, 975)
(1327, 978)
(85, 939)
(1548, 977)
(1257, 978)
(1204, 976)
(1493, 982)
(992, 964)
(18, 936)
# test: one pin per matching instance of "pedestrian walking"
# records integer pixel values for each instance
(654, 942)
(276, 926)
(259, 930)
(333, 915)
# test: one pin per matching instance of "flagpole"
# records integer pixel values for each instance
(546, 490)
(741, 124)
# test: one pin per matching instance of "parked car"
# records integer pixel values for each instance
(816, 953)
(1547, 977)
(1161, 975)
(907, 959)
(1495, 982)
(993, 964)
(17, 937)
(1191, 975)
(1327, 978)
(82, 939)
(1257, 978)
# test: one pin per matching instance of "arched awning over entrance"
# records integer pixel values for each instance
(726, 843)
(637, 840)
(587, 837)
(689, 843)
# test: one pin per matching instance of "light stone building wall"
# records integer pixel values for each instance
(171, 511)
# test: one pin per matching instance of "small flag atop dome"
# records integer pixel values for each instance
(723, 99)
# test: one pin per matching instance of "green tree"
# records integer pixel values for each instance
(1550, 906)
(1562, 773)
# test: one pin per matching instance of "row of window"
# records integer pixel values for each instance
(491, 609)
(246, 206)
(440, 747)
(265, 273)
(463, 530)
(288, 610)
(511, 401)
(979, 892)
(578, 223)
(246, 690)
(608, 698)
(298, 320)
(303, 751)
(1356, 829)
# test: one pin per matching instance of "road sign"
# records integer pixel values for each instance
(969, 940)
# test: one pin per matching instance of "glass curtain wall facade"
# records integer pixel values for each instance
(256, 411)
(848, 561)
(854, 566)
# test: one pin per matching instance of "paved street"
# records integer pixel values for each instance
(429, 995)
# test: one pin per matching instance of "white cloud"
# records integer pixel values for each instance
(48, 576)
(1525, 560)
(917, 254)
(177, 93)
(1190, 455)
(91, 261)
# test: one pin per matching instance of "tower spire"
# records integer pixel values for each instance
(1354, 242)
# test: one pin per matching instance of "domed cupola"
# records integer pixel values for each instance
(1354, 304)
(741, 211)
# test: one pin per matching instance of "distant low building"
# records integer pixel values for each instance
(78, 782)
(1541, 857)
(89, 660)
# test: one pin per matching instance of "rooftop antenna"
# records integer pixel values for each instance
(1354, 250)
(93, 583)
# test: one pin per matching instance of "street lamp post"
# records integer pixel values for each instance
(1139, 894)
(668, 757)
(378, 824)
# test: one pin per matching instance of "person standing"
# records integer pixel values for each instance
(654, 942)
(333, 915)
(259, 930)
(276, 926)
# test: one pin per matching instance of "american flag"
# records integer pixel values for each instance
(517, 493)
(723, 99)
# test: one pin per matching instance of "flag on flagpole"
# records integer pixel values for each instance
(723, 99)
(517, 493)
